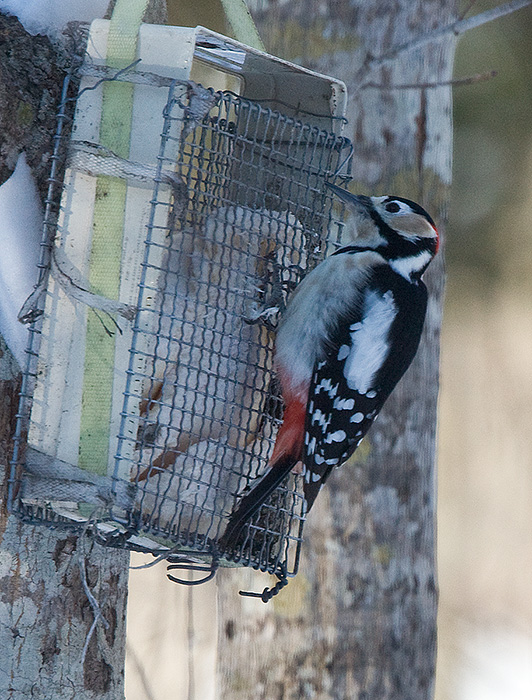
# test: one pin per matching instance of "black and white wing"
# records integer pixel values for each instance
(368, 352)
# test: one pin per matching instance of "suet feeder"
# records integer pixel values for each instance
(187, 213)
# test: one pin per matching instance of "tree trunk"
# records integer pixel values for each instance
(359, 620)
(44, 606)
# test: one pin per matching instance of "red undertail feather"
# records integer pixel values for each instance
(291, 434)
(287, 452)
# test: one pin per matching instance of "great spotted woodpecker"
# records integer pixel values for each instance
(349, 333)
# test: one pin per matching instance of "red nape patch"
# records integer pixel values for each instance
(291, 434)
(436, 249)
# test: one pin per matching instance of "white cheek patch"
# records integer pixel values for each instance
(369, 341)
(406, 267)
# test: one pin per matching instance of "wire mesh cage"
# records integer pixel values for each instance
(236, 213)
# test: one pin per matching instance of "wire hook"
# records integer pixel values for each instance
(268, 593)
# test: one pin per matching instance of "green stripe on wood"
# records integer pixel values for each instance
(104, 278)
(106, 251)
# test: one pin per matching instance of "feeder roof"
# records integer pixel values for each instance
(279, 84)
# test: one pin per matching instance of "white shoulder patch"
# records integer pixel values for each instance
(369, 341)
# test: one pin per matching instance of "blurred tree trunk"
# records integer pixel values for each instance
(45, 612)
(359, 620)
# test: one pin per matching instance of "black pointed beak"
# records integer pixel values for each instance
(359, 202)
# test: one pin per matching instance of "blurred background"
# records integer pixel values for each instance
(485, 430)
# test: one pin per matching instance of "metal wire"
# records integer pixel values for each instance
(224, 247)
(64, 119)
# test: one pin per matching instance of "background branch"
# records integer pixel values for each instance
(458, 27)
(480, 77)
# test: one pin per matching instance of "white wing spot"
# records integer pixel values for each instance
(343, 352)
(316, 477)
(328, 386)
(337, 436)
(321, 419)
(357, 417)
(319, 459)
(344, 404)
(371, 394)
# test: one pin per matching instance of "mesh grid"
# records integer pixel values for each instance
(216, 270)
(232, 234)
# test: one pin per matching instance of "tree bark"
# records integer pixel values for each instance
(30, 85)
(44, 607)
(359, 620)
(45, 612)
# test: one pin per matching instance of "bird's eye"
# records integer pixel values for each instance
(392, 207)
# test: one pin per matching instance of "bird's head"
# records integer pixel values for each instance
(401, 230)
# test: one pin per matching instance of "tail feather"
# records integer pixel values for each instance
(252, 502)
(286, 453)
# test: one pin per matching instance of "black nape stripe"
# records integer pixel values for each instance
(353, 249)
